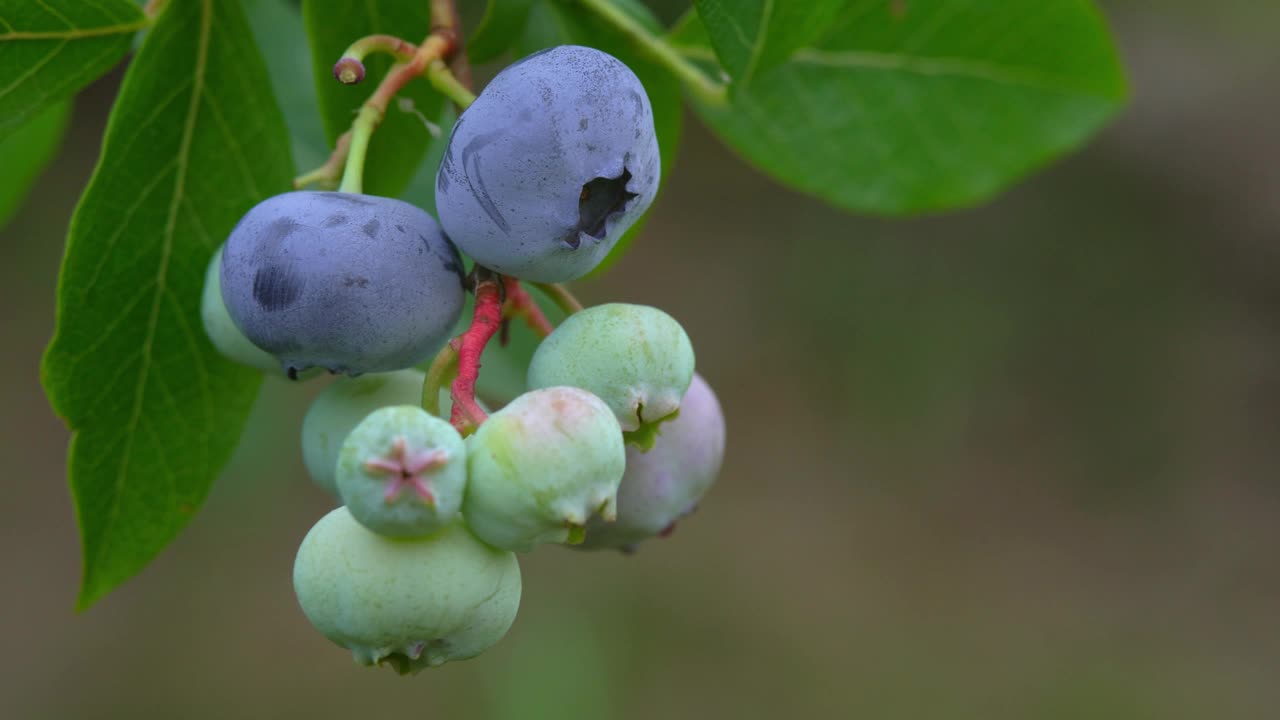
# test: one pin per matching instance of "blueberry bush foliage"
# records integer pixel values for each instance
(887, 107)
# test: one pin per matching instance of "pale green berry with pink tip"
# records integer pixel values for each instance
(341, 406)
(635, 358)
(408, 603)
(402, 472)
(541, 467)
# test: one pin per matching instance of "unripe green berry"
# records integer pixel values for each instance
(540, 467)
(636, 358)
(408, 603)
(341, 406)
(222, 331)
(402, 471)
(665, 483)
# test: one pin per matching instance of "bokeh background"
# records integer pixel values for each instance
(1015, 462)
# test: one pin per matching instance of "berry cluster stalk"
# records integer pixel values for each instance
(561, 296)
(467, 413)
(450, 86)
(522, 305)
(374, 109)
(427, 59)
(458, 363)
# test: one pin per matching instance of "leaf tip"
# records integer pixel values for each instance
(91, 590)
(84, 601)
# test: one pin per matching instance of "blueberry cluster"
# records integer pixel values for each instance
(616, 438)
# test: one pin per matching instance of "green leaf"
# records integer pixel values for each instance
(277, 26)
(689, 36)
(26, 152)
(194, 140)
(499, 29)
(751, 36)
(925, 105)
(557, 23)
(402, 139)
(51, 48)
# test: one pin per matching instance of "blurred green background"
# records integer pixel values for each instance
(1014, 462)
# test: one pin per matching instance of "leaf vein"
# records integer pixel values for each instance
(107, 330)
(112, 239)
(183, 157)
(199, 371)
(936, 66)
(757, 47)
(55, 13)
(32, 69)
(73, 33)
(233, 145)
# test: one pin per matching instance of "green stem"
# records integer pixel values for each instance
(361, 132)
(375, 108)
(443, 80)
(658, 49)
(442, 371)
(401, 50)
(559, 295)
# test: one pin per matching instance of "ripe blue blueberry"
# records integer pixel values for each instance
(634, 357)
(348, 282)
(665, 483)
(550, 165)
(222, 331)
(402, 471)
(410, 604)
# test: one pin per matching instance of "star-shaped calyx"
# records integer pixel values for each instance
(408, 468)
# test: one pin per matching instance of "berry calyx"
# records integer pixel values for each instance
(664, 484)
(634, 357)
(402, 472)
(407, 470)
(341, 406)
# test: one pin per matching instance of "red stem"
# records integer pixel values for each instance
(467, 413)
(522, 305)
(331, 171)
